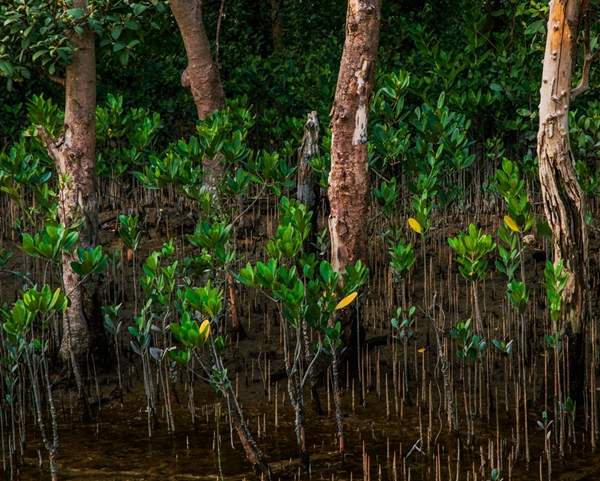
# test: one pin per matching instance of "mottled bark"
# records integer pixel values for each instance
(564, 202)
(74, 157)
(201, 75)
(349, 176)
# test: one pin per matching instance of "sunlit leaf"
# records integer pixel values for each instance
(346, 301)
(415, 225)
(204, 330)
(511, 223)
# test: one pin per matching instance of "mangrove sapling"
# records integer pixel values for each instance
(200, 343)
(214, 240)
(556, 279)
(286, 287)
(520, 220)
(472, 248)
(26, 326)
(304, 292)
(51, 244)
(10, 372)
(140, 344)
(112, 325)
(420, 224)
(510, 258)
(287, 290)
(131, 235)
(402, 259)
(403, 328)
(158, 282)
(470, 347)
(545, 424)
(354, 277)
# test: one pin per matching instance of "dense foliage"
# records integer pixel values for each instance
(185, 272)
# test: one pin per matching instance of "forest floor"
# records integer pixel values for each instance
(388, 436)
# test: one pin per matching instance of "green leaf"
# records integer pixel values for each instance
(76, 13)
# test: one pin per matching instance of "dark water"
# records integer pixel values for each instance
(116, 448)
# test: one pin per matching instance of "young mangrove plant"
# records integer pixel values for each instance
(306, 293)
(200, 344)
(472, 249)
(26, 326)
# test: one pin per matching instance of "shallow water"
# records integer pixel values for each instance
(116, 448)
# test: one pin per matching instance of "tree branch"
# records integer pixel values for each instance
(58, 80)
(52, 145)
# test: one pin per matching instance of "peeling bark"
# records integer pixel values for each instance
(349, 177)
(564, 202)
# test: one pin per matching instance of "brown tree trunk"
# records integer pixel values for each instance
(349, 176)
(253, 454)
(201, 75)
(74, 156)
(564, 202)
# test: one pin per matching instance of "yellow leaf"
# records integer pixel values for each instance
(511, 223)
(421, 350)
(346, 301)
(204, 330)
(414, 225)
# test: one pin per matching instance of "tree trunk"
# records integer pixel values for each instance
(349, 177)
(564, 202)
(201, 75)
(308, 190)
(309, 193)
(74, 156)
